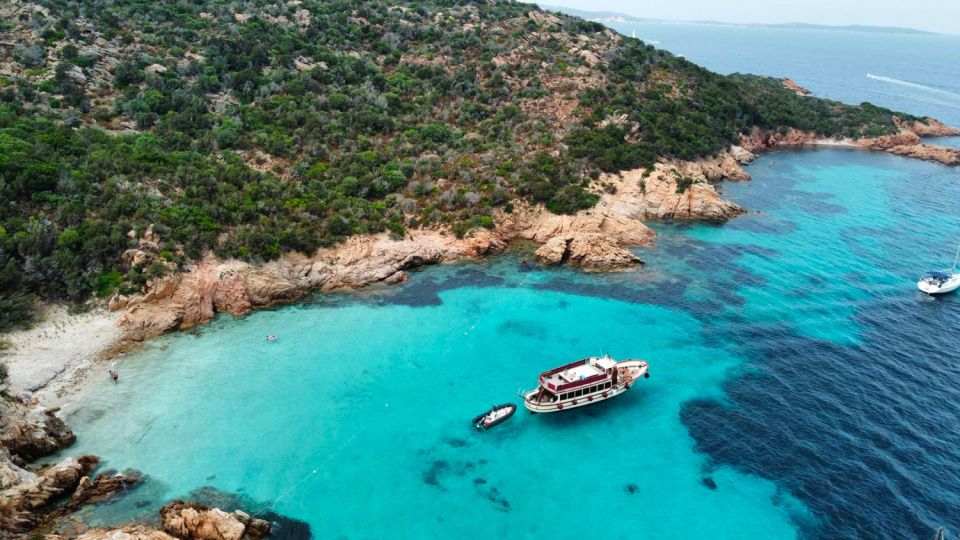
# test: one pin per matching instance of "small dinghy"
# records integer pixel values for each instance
(495, 416)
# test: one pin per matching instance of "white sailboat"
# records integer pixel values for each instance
(940, 282)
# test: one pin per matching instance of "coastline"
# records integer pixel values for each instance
(51, 360)
(54, 360)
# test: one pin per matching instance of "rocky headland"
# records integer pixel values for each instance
(908, 142)
(598, 238)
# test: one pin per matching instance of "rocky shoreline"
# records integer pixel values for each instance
(596, 239)
(33, 498)
(907, 143)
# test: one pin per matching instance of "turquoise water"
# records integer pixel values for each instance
(376, 398)
(800, 385)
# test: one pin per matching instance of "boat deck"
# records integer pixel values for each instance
(591, 368)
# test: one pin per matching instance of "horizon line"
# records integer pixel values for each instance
(604, 14)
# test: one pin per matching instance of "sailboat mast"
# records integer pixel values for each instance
(956, 258)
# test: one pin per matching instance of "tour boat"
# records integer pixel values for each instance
(584, 382)
(937, 282)
(495, 416)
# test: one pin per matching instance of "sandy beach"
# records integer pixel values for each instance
(50, 359)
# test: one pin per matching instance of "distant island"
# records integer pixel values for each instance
(616, 17)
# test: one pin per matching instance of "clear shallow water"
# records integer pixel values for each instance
(794, 365)
(789, 343)
(376, 397)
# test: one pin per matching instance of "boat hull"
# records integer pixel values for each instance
(948, 286)
(637, 369)
(478, 421)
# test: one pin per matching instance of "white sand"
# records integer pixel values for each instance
(55, 355)
(845, 143)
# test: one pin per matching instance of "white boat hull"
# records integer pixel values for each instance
(637, 369)
(932, 287)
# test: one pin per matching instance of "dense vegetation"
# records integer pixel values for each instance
(256, 127)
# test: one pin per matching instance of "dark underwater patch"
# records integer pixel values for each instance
(817, 204)
(456, 442)
(422, 292)
(493, 495)
(431, 476)
(763, 225)
(438, 470)
(840, 425)
(523, 327)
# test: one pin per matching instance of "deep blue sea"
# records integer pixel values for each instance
(801, 387)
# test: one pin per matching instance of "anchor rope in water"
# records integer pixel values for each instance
(313, 472)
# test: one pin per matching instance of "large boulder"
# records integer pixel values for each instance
(30, 431)
(194, 521)
(553, 251)
(103, 487)
(24, 505)
(590, 251)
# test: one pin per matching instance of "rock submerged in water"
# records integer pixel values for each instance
(194, 521)
(103, 487)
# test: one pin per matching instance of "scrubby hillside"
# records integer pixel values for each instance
(254, 128)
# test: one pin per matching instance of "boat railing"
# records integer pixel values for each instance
(575, 384)
(564, 368)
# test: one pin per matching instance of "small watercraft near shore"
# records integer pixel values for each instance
(941, 282)
(497, 415)
(583, 382)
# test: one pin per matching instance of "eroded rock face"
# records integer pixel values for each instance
(30, 431)
(928, 127)
(193, 521)
(909, 144)
(792, 85)
(22, 506)
(103, 487)
(590, 251)
(906, 143)
(554, 251)
(761, 140)
(658, 195)
(595, 238)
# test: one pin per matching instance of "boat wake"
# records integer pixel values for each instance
(909, 84)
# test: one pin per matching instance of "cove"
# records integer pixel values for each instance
(356, 419)
(795, 390)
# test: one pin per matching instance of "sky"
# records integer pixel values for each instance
(932, 15)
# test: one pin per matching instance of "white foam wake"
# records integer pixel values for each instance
(918, 86)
